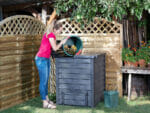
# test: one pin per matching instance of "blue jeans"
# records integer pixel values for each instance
(43, 66)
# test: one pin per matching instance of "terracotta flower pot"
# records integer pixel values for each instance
(130, 64)
(127, 64)
(135, 64)
(142, 63)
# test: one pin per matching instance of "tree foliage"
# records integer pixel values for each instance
(87, 9)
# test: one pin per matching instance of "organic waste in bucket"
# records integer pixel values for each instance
(73, 46)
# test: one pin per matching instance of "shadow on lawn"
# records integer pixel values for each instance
(130, 107)
(35, 106)
(27, 107)
(123, 107)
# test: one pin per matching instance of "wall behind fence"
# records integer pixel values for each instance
(19, 42)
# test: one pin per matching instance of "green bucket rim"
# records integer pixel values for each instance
(76, 51)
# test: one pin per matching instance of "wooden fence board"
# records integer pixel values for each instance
(100, 39)
(17, 52)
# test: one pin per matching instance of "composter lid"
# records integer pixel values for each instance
(84, 56)
(88, 56)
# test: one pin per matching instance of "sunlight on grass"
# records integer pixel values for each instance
(25, 107)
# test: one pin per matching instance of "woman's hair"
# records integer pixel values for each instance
(54, 25)
(57, 25)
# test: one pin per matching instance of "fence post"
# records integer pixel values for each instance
(1, 13)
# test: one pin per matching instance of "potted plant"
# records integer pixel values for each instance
(148, 52)
(148, 64)
(129, 58)
(143, 56)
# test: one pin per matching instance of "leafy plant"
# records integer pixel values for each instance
(148, 50)
(128, 55)
(87, 9)
(144, 52)
(52, 97)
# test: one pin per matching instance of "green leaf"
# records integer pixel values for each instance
(102, 8)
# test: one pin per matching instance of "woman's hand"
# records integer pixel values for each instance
(65, 40)
(54, 45)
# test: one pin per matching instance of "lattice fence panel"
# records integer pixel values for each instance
(96, 27)
(100, 36)
(21, 25)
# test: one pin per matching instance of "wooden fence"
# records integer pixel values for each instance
(100, 36)
(20, 38)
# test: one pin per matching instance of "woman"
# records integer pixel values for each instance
(42, 60)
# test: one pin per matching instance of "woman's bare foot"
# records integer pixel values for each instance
(49, 101)
(47, 105)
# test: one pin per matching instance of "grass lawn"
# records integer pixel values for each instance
(140, 105)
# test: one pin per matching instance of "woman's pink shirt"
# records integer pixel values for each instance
(45, 47)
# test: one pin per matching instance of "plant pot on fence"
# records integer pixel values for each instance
(111, 99)
(142, 63)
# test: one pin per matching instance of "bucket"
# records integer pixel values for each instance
(73, 46)
(111, 99)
